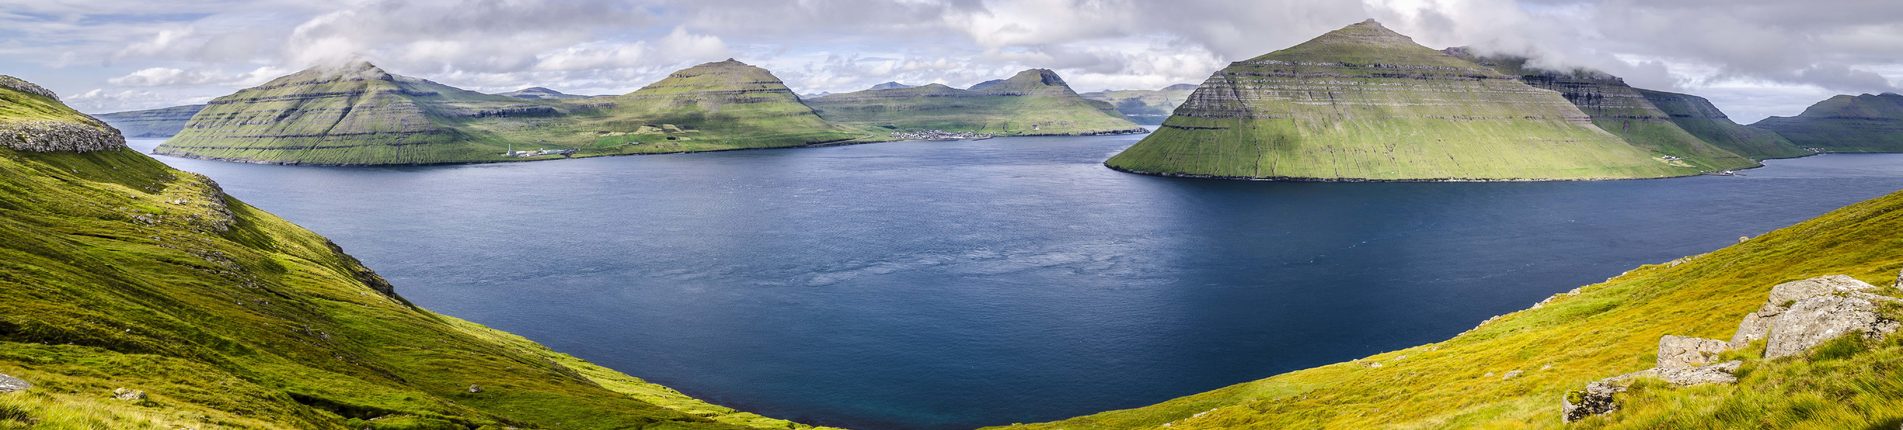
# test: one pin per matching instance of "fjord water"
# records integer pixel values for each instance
(957, 284)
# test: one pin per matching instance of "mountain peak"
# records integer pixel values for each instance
(1024, 82)
(1367, 32)
(893, 85)
(358, 70)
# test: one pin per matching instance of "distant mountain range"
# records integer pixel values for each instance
(1149, 107)
(1032, 102)
(1845, 123)
(539, 93)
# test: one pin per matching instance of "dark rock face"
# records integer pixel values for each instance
(1596, 399)
(163, 122)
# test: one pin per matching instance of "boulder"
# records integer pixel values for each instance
(1721, 373)
(10, 384)
(1596, 399)
(1813, 321)
(1682, 352)
(1757, 325)
(128, 394)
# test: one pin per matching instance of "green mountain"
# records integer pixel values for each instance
(1145, 106)
(1033, 102)
(539, 93)
(1515, 370)
(1865, 123)
(161, 122)
(1617, 108)
(1699, 117)
(138, 296)
(361, 115)
(1366, 103)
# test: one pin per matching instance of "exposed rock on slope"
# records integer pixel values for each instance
(32, 119)
(1366, 103)
(162, 122)
(1865, 123)
(1700, 118)
(1617, 108)
(1033, 102)
(1145, 106)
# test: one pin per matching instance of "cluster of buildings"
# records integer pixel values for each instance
(939, 135)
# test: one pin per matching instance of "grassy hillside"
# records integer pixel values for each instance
(1145, 106)
(359, 114)
(162, 122)
(119, 272)
(1620, 109)
(1033, 102)
(1365, 103)
(1864, 123)
(1598, 331)
(1700, 118)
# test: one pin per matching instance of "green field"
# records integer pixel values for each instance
(119, 272)
(1863, 123)
(1595, 332)
(1365, 103)
(364, 116)
(1033, 102)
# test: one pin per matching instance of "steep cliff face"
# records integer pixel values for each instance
(161, 122)
(138, 296)
(1366, 103)
(1845, 123)
(1032, 102)
(33, 119)
(1145, 106)
(1700, 118)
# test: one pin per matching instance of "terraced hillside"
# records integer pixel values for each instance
(1618, 108)
(1513, 371)
(361, 115)
(1845, 123)
(161, 122)
(1366, 103)
(1145, 106)
(1700, 118)
(1033, 102)
(139, 297)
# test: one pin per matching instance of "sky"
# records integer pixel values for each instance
(1753, 58)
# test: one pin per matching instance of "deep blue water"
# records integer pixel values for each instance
(951, 285)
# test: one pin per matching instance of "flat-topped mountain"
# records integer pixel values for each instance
(1699, 117)
(138, 296)
(539, 93)
(359, 114)
(1033, 102)
(1845, 123)
(161, 122)
(1617, 108)
(1145, 106)
(1366, 103)
(890, 86)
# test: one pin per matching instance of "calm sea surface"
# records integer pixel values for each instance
(958, 284)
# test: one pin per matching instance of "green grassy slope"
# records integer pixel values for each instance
(1145, 106)
(362, 115)
(1700, 118)
(1864, 123)
(1033, 102)
(1365, 103)
(119, 272)
(1594, 332)
(161, 122)
(1620, 109)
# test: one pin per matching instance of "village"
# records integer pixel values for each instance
(939, 135)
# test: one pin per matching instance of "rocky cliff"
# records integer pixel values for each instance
(138, 296)
(1145, 106)
(162, 122)
(1617, 108)
(1032, 102)
(1700, 118)
(1845, 123)
(1366, 103)
(32, 119)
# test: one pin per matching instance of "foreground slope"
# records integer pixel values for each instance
(1032, 102)
(161, 122)
(1699, 117)
(362, 115)
(1618, 108)
(138, 296)
(1512, 371)
(1145, 106)
(1864, 123)
(1365, 103)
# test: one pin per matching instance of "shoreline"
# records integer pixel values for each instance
(1106, 164)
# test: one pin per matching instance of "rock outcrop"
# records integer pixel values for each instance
(1032, 102)
(1845, 123)
(1366, 103)
(1798, 316)
(9, 384)
(38, 122)
(152, 123)
(21, 85)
